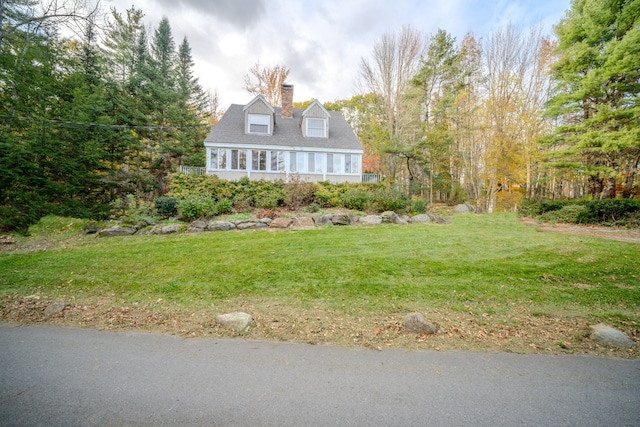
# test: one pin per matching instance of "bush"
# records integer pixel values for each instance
(224, 206)
(356, 199)
(390, 199)
(166, 206)
(567, 214)
(298, 193)
(269, 199)
(610, 211)
(196, 206)
(418, 205)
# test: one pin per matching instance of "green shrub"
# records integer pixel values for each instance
(224, 207)
(356, 199)
(390, 199)
(269, 199)
(166, 206)
(298, 193)
(567, 214)
(196, 206)
(418, 205)
(610, 211)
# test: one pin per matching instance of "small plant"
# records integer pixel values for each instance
(356, 199)
(567, 214)
(418, 205)
(224, 206)
(313, 208)
(166, 206)
(197, 206)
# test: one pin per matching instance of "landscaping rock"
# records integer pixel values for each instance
(420, 219)
(266, 220)
(116, 231)
(320, 219)
(392, 218)
(197, 227)
(237, 321)
(440, 220)
(370, 220)
(463, 208)
(247, 225)
(344, 219)
(169, 229)
(610, 336)
(281, 223)
(303, 222)
(55, 307)
(220, 226)
(416, 322)
(7, 240)
(404, 219)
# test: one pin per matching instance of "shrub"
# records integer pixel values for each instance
(224, 206)
(269, 199)
(166, 206)
(197, 206)
(418, 205)
(298, 193)
(356, 199)
(567, 214)
(390, 199)
(608, 211)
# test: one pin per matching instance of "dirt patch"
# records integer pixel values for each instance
(525, 332)
(611, 233)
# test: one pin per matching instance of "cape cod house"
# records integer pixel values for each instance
(259, 141)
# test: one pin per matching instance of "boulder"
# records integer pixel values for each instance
(197, 226)
(169, 229)
(220, 226)
(320, 219)
(440, 220)
(610, 336)
(237, 321)
(303, 222)
(420, 219)
(266, 220)
(344, 219)
(116, 231)
(392, 218)
(250, 224)
(281, 223)
(55, 307)
(463, 208)
(371, 220)
(416, 322)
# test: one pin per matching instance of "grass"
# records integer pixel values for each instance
(483, 265)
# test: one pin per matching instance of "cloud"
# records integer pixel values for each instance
(240, 14)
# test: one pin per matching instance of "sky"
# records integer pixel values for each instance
(322, 42)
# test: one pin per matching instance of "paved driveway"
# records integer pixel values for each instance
(53, 376)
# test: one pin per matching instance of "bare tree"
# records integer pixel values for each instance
(215, 111)
(268, 82)
(395, 61)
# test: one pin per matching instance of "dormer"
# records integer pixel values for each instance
(259, 117)
(315, 121)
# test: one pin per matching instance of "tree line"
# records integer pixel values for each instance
(87, 119)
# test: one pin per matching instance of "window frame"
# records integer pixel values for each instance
(258, 120)
(314, 131)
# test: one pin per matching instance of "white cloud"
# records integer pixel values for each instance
(321, 41)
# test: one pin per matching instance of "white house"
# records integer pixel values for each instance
(259, 141)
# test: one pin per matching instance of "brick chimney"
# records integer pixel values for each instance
(286, 93)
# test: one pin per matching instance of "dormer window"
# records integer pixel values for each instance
(316, 127)
(259, 124)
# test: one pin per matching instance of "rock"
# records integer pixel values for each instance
(392, 217)
(7, 240)
(440, 220)
(610, 336)
(303, 222)
(169, 229)
(238, 320)
(370, 220)
(344, 219)
(266, 220)
(55, 307)
(197, 226)
(404, 219)
(415, 322)
(220, 226)
(322, 219)
(281, 223)
(250, 224)
(463, 208)
(420, 219)
(116, 231)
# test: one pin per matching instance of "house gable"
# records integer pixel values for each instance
(315, 121)
(259, 117)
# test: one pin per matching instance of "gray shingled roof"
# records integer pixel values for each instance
(286, 132)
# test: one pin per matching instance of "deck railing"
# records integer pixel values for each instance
(370, 177)
(193, 170)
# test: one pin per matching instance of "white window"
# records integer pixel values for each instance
(259, 123)
(259, 160)
(317, 127)
(314, 163)
(296, 162)
(277, 161)
(238, 159)
(218, 158)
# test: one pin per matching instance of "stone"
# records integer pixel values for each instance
(55, 307)
(610, 336)
(220, 226)
(463, 208)
(392, 218)
(116, 231)
(197, 226)
(247, 225)
(341, 219)
(370, 220)
(281, 223)
(303, 222)
(266, 220)
(170, 229)
(404, 219)
(420, 219)
(7, 240)
(416, 322)
(440, 220)
(238, 321)
(320, 219)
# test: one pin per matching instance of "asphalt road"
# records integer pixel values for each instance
(52, 376)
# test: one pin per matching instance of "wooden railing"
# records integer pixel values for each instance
(370, 177)
(193, 170)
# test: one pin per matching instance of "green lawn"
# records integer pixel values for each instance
(484, 263)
